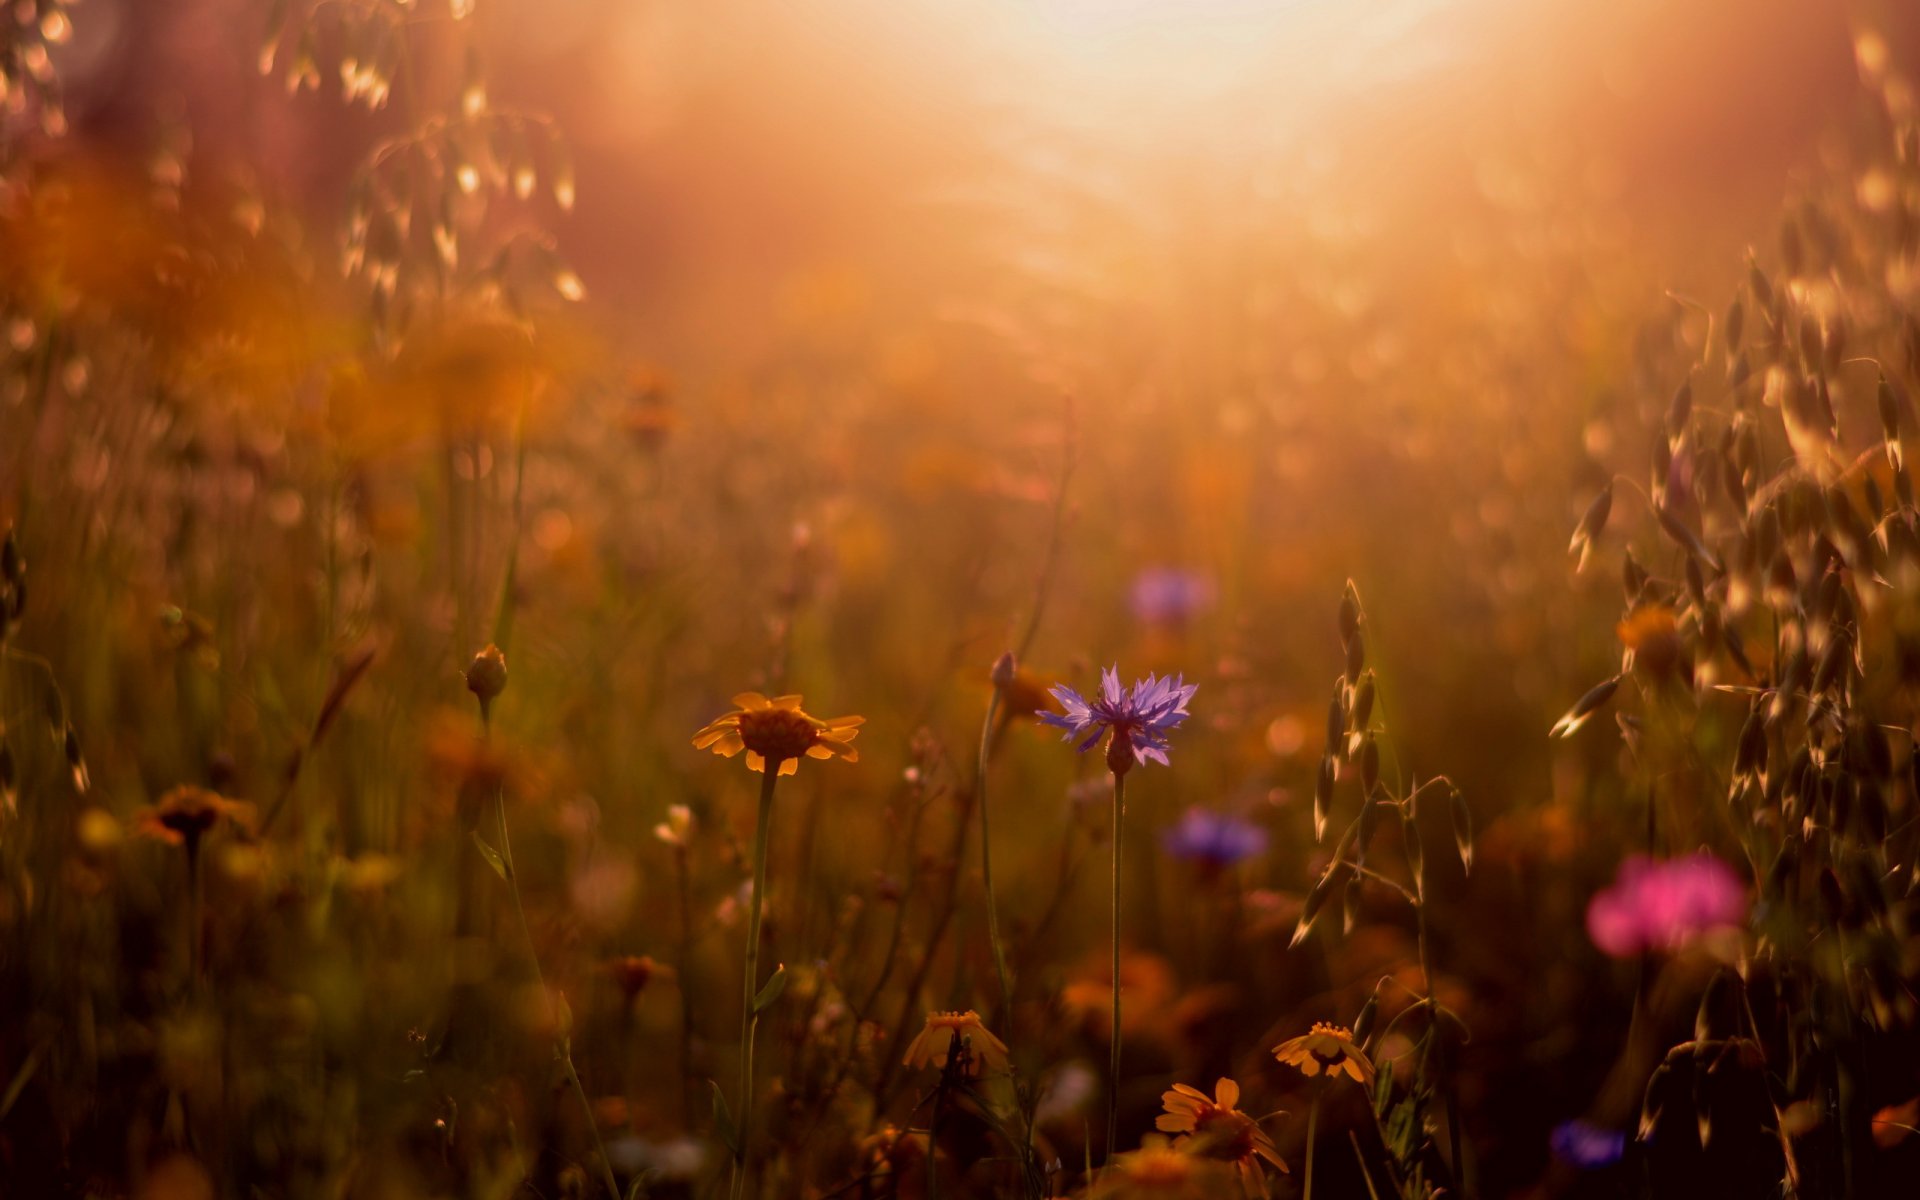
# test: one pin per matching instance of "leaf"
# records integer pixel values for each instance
(723, 1121)
(771, 990)
(492, 856)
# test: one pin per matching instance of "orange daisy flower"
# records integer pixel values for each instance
(1328, 1048)
(931, 1046)
(778, 731)
(1161, 1169)
(185, 814)
(1217, 1129)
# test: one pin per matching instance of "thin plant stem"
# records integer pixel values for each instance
(1313, 1129)
(561, 1048)
(687, 1089)
(750, 1020)
(1113, 1059)
(986, 860)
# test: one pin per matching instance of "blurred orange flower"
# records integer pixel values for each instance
(934, 1043)
(1158, 1168)
(187, 813)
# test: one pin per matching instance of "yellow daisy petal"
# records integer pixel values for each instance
(755, 762)
(750, 701)
(789, 766)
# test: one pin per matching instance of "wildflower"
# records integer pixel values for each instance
(932, 1046)
(1171, 595)
(1217, 1130)
(1139, 718)
(487, 674)
(1213, 841)
(778, 731)
(1157, 1168)
(187, 813)
(631, 974)
(1585, 1145)
(1665, 905)
(677, 829)
(1329, 1048)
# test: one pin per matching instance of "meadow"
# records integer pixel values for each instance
(697, 601)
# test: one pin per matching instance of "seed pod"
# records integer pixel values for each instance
(1462, 828)
(1750, 760)
(1653, 1103)
(1731, 480)
(1356, 655)
(1416, 856)
(1696, 583)
(1584, 708)
(1350, 897)
(1349, 613)
(1840, 797)
(1592, 524)
(1757, 282)
(1832, 661)
(1633, 577)
(1680, 409)
(1322, 797)
(1363, 703)
(1809, 341)
(1889, 423)
(1739, 373)
(1363, 1024)
(1336, 875)
(1782, 585)
(1337, 722)
(1785, 865)
(1369, 765)
(76, 763)
(1736, 317)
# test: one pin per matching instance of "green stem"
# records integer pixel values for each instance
(561, 1048)
(986, 860)
(1313, 1128)
(750, 1020)
(1113, 1060)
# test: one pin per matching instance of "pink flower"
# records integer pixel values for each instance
(1663, 905)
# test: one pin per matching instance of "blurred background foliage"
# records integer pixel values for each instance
(686, 349)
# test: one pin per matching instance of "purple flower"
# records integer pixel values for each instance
(1213, 841)
(1663, 905)
(1585, 1145)
(1171, 595)
(1139, 717)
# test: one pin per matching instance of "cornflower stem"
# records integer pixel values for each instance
(562, 1038)
(986, 860)
(750, 1020)
(1113, 1060)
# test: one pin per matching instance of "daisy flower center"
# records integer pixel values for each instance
(777, 734)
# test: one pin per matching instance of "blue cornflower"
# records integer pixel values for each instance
(1171, 595)
(1139, 717)
(1213, 841)
(1587, 1146)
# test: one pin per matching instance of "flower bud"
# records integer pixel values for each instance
(487, 674)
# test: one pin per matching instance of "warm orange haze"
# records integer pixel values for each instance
(919, 599)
